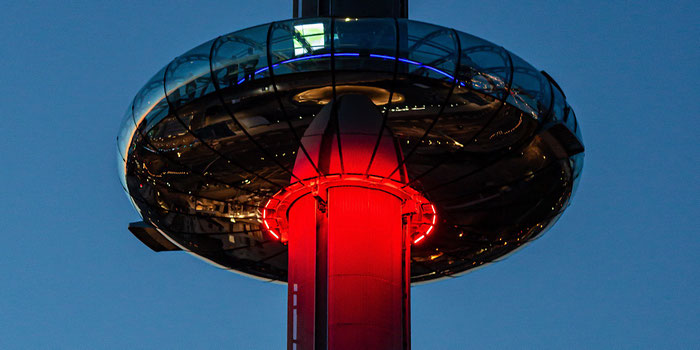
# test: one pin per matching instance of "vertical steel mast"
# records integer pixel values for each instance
(350, 8)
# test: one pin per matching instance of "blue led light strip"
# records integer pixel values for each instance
(325, 55)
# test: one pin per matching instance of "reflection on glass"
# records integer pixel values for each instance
(527, 91)
(365, 44)
(126, 130)
(431, 50)
(300, 45)
(484, 66)
(240, 56)
(558, 105)
(150, 103)
(578, 133)
(577, 168)
(308, 38)
(570, 119)
(121, 171)
(188, 76)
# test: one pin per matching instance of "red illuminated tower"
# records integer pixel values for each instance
(350, 233)
(348, 152)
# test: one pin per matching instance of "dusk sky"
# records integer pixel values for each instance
(618, 271)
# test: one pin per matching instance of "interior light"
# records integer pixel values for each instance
(312, 34)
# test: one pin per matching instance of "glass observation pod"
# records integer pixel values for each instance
(488, 139)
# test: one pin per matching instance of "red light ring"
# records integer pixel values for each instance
(422, 213)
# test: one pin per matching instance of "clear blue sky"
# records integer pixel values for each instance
(620, 269)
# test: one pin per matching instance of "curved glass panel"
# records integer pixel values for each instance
(426, 78)
(578, 133)
(558, 105)
(488, 174)
(121, 170)
(508, 128)
(577, 168)
(482, 79)
(301, 63)
(300, 46)
(133, 203)
(191, 92)
(150, 103)
(545, 99)
(428, 50)
(570, 119)
(484, 66)
(126, 132)
(188, 77)
(366, 62)
(156, 159)
(189, 134)
(365, 44)
(529, 91)
(263, 139)
(240, 57)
